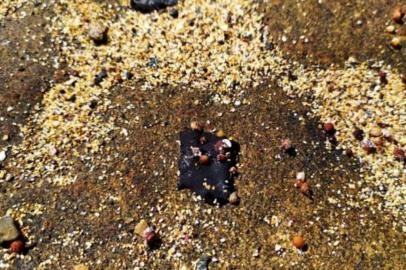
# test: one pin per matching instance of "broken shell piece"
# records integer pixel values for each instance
(227, 143)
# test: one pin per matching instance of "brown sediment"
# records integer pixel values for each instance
(102, 155)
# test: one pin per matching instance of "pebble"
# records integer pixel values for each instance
(17, 246)
(300, 176)
(204, 160)
(141, 227)
(8, 229)
(3, 155)
(298, 241)
(375, 132)
(174, 13)
(399, 154)
(203, 263)
(358, 134)
(100, 76)
(395, 43)
(397, 15)
(286, 145)
(234, 199)
(98, 33)
(196, 125)
(80, 267)
(328, 127)
(390, 29)
(404, 78)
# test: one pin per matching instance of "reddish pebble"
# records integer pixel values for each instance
(299, 183)
(149, 234)
(397, 15)
(204, 160)
(17, 246)
(328, 127)
(399, 153)
(298, 241)
(383, 77)
(286, 145)
(221, 157)
(304, 188)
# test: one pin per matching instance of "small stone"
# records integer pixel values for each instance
(204, 160)
(375, 132)
(390, 29)
(203, 263)
(383, 78)
(397, 15)
(17, 246)
(220, 133)
(286, 145)
(234, 199)
(196, 125)
(141, 227)
(3, 156)
(80, 267)
(395, 43)
(8, 229)
(304, 188)
(399, 153)
(404, 78)
(149, 234)
(358, 134)
(328, 127)
(98, 33)
(298, 241)
(174, 13)
(100, 76)
(300, 176)
(369, 146)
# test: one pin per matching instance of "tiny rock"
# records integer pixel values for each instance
(298, 241)
(390, 29)
(397, 15)
(300, 176)
(395, 43)
(399, 154)
(80, 267)
(375, 132)
(141, 227)
(328, 127)
(404, 78)
(8, 229)
(17, 246)
(98, 33)
(3, 156)
(196, 125)
(234, 199)
(203, 263)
